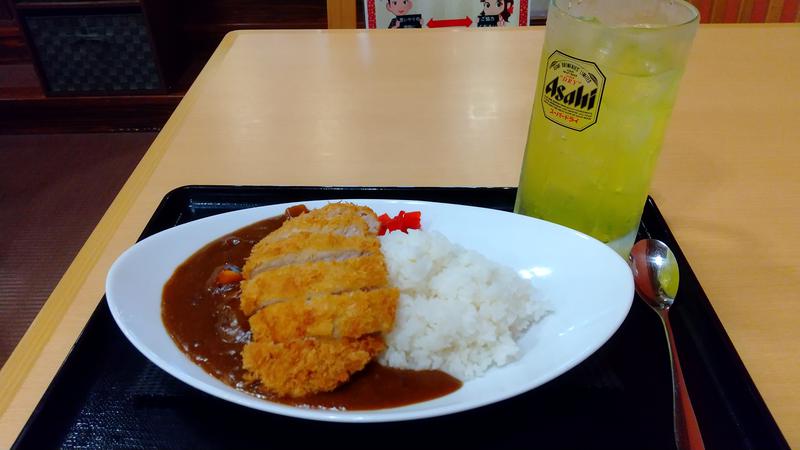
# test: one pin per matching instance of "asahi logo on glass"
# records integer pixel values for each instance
(572, 91)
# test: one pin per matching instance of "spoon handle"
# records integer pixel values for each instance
(687, 432)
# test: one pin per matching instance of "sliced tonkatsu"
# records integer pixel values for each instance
(343, 219)
(304, 366)
(307, 280)
(351, 315)
(306, 246)
(317, 295)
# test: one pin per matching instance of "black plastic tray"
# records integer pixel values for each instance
(107, 395)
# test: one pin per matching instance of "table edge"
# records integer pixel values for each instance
(31, 346)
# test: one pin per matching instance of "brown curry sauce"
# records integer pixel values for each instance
(205, 321)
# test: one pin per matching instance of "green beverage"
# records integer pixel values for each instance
(608, 78)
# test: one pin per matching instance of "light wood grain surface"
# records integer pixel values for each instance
(451, 108)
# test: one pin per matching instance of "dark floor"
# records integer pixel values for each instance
(53, 191)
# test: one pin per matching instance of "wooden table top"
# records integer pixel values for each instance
(451, 108)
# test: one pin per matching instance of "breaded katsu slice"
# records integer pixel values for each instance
(347, 315)
(308, 365)
(345, 219)
(305, 246)
(317, 295)
(307, 280)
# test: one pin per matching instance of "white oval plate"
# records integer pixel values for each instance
(589, 287)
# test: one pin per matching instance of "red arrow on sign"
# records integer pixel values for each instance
(465, 22)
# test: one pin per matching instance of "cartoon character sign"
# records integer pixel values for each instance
(400, 9)
(446, 13)
(495, 13)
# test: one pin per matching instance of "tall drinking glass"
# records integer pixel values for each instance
(608, 78)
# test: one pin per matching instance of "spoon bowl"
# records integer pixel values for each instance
(655, 272)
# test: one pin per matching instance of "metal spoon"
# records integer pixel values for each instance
(656, 276)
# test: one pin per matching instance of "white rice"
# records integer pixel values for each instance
(458, 311)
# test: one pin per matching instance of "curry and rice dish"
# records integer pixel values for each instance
(314, 308)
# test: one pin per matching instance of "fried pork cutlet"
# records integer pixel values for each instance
(303, 366)
(305, 246)
(306, 280)
(348, 315)
(343, 219)
(317, 295)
